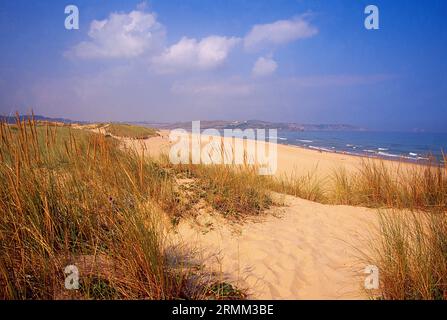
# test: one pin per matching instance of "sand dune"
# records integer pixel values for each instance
(308, 251)
(304, 250)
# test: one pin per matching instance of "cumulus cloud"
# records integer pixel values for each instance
(191, 54)
(278, 33)
(138, 34)
(264, 67)
(121, 35)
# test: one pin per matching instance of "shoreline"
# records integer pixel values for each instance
(399, 159)
(291, 159)
(425, 160)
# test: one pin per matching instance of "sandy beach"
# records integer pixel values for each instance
(303, 250)
(292, 160)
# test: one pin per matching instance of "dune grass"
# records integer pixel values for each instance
(419, 187)
(309, 186)
(130, 131)
(234, 191)
(373, 184)
(70, 197)
(74, 197)
(412, 255)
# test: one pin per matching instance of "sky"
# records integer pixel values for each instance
(179, 60)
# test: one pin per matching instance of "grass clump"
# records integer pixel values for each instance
(308, 186)
(373, 184)
(225, 291)
(130, 131)
(412, 255)
(234, 191)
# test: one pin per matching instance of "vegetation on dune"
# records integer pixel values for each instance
(412, 251)
(234, 191)
(71, 197)
(374, 185)
(412, 255)
(130, 131)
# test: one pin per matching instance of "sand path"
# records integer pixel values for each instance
(306, 251)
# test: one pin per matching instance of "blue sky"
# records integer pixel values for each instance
(303, 61)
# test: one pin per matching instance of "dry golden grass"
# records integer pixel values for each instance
(309, 186)
(234, 191)
(412, 255)
(374, 184)
(74, 197)
(422, 187)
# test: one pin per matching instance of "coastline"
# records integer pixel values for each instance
(365, 155)
(292, 159)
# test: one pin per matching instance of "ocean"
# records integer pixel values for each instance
(412, 146)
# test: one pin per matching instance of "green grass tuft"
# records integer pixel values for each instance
(130, 131)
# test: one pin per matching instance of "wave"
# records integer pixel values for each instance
(321, 149)
(278, 138)
(412, 156)
(382, 149)
(386, 154)
(304, 141)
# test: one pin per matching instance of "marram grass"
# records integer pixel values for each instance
(69, 197)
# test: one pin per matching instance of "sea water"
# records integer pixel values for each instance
(413, 146)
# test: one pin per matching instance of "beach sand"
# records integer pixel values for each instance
(304, 250)
(292, 160)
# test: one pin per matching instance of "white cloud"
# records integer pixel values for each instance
(277, 33)
(190, 54)
(264, 67)
(121, 35)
